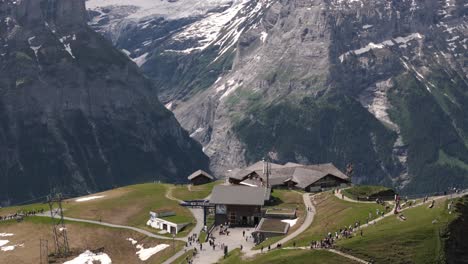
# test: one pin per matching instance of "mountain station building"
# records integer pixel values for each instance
(239, 205)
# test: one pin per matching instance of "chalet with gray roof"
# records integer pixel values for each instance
(200, 177)
(305, 177)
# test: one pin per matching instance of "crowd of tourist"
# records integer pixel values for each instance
(20, 215)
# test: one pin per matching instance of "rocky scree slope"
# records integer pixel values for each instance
(382, 84)
(76, 114)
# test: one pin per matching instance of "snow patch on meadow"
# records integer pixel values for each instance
(146, 253)
(11, 247)
(291, 222)
(4, 242)
(84, 199)
(89, 257)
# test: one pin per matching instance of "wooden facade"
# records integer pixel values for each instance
(199, 180)
(326, 182)
(238, 215)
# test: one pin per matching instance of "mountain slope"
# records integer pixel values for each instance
(76, 115)
(382, 84)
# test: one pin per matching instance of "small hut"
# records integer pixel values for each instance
(200, 177)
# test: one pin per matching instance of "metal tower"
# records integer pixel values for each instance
(62, 248)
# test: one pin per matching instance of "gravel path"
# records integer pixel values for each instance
(307, 221)
(198, 214)
(142, 231)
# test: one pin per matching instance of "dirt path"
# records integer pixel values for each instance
(332, 251)
(197, 214)
(307, 221)
(142, 231)
(347, 256)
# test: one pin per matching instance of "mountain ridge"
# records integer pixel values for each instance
(77, 115)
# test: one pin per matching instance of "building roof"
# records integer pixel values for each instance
(292, 164)
(258, 166)
(239, 195)
(240, 174)
(308, 175)
(278, 176)
(303, 175)
(329, 168)
(200, 173)
(269, 225)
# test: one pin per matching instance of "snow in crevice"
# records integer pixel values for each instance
(228, 87)
(418, 75)
(65, 40)
(197, 131)
(263, 36)
(169, 106)
(401, 41)
(34, 48)
(140, 60)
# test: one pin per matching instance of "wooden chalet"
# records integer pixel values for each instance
(200, 177)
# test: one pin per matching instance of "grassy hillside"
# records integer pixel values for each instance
(81, 237)
(288, 256)
(333, 214)
(129, 206)
(196, 192)
(456, 246)
(416, 240)
(364, 191)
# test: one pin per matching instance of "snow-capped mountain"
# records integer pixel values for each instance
(382, 84)
(151, 31)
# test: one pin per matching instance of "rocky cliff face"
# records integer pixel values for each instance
(76, 114)
(382, 84)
